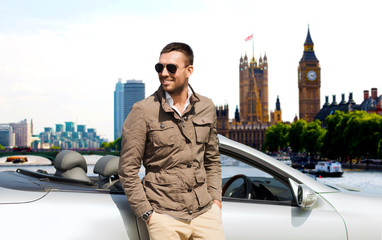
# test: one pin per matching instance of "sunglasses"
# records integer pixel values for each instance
(171, 68)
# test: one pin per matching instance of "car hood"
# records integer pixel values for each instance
(360, 212)
(363, 203)
(14, 188)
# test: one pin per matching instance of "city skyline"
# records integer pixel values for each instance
(61, 60)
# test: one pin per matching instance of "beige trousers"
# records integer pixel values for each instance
(207, 226)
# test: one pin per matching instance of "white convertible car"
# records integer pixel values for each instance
(262, 199)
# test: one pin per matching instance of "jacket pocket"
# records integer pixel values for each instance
(162, 134)
(162, 191)
(202, 129)
(204, 198)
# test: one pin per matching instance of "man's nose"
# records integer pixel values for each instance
(165, 72)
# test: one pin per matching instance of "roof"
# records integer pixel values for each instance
(328, 109)
(309, 57)
(308, 40)
(370, 103)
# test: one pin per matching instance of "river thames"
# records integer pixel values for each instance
(368, 181)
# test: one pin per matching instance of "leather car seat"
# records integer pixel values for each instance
(107, 168)
(71, 164)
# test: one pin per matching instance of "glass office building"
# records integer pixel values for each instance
(125, 95)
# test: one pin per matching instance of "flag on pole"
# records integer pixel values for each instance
(249, 37)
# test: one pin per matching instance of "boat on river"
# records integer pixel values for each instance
(328, 169)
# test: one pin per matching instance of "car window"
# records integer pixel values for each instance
(243, 181)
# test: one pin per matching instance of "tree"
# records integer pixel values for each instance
(355, 134)
(333, 145)
(363, 135)
(312, 137)
(295, 133)
(1, 147)
(276, 137)
(116, 145)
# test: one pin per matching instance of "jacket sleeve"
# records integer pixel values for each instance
(133, 148)
(212, 163)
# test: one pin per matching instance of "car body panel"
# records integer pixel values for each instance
(246, 220)
(9, 193)
(70, 215)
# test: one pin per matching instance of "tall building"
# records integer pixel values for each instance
(125, 95)
(254, 90)
(250, 124)
(59, 128)
(81, 128)
(309, 82)
(133, 91)
(118, 109)
(23, 133)
(7, 136)
(69, 126)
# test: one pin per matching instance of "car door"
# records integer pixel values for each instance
(269, 211)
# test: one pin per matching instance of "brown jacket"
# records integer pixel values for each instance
(180, 154)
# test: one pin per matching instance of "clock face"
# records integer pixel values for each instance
(299, 76)
(312, 75)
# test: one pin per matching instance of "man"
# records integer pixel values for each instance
(173, 132)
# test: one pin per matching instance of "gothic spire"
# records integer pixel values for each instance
(308, 40)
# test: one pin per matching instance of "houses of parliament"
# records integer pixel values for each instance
(252, 117)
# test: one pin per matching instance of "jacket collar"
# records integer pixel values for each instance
(162, 96)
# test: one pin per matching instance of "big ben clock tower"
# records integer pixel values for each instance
(309, 82)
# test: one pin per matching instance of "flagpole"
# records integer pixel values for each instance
(253, 47)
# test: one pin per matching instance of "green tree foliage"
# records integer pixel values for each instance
(333, 145)
(312, 136)
(276, 137)
(116, 145)
(1, 147)
(363, 135)
(355, 134)
(295, 133)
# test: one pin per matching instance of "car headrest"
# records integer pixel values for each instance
(68, 159)
(107, 166)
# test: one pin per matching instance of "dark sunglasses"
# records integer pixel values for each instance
(171, 68)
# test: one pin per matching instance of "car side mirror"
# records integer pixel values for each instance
(305, 196)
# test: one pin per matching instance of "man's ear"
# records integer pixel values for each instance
(189, 70)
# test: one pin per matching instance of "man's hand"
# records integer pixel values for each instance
(217, 202)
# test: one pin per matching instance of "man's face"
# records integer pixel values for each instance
(174, 83)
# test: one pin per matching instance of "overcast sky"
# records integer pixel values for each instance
(60, 60)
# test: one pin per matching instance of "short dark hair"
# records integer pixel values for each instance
(180, 47)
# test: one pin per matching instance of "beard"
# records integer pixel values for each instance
(174, 86)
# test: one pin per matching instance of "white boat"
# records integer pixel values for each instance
(328, 169)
